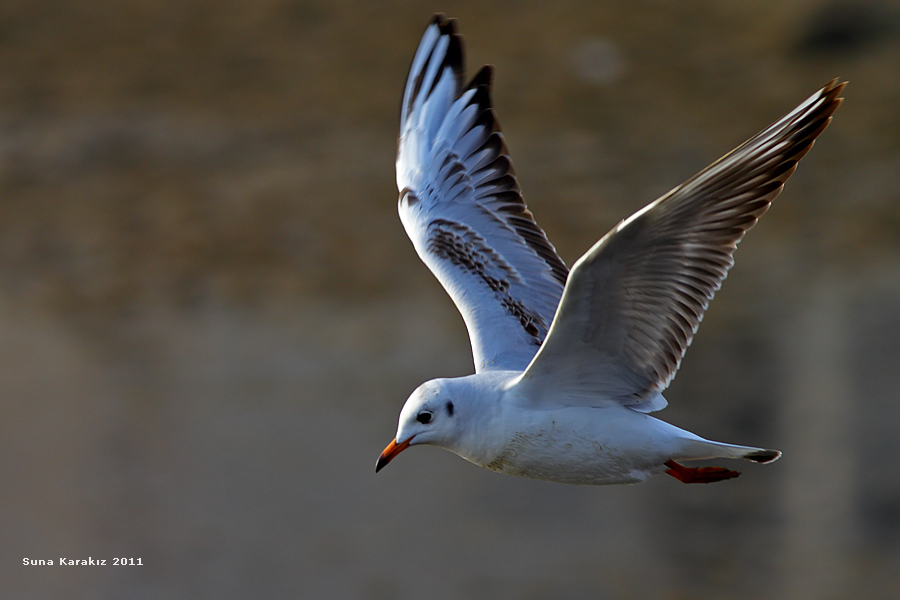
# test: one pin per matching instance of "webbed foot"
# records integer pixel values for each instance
(699, 475)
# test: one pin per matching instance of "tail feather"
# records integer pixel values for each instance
(700, 449)
(762, 456)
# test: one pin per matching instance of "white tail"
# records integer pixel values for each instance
(700, 449)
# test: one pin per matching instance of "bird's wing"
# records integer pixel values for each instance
(633, 302)
(462, 208)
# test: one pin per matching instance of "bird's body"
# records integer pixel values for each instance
(611, 443)
(568, 363)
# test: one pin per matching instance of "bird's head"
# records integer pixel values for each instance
(428, 417)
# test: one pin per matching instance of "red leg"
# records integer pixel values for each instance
(699, 475)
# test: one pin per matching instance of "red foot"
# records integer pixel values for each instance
(700, 475)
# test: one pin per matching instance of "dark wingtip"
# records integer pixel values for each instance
(484, 76)
(445, 24)
(831, 91)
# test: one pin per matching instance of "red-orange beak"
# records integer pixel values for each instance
(392, 450)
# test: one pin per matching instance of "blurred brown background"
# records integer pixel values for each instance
(210, 315)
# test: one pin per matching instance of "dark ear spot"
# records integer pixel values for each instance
(450, 408)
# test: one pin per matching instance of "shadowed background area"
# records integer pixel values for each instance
(210, 315)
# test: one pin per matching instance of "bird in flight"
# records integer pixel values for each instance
(569, 364)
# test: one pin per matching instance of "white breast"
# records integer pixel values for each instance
(585, 445)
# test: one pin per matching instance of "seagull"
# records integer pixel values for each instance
(569, 364)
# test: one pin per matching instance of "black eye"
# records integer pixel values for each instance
(424, 417)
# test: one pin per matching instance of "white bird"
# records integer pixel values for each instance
(568, 364)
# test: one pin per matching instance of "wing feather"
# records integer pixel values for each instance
(461, 206)
(634, 301)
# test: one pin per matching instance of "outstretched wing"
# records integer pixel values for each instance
(461, 206)
(634, 301)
